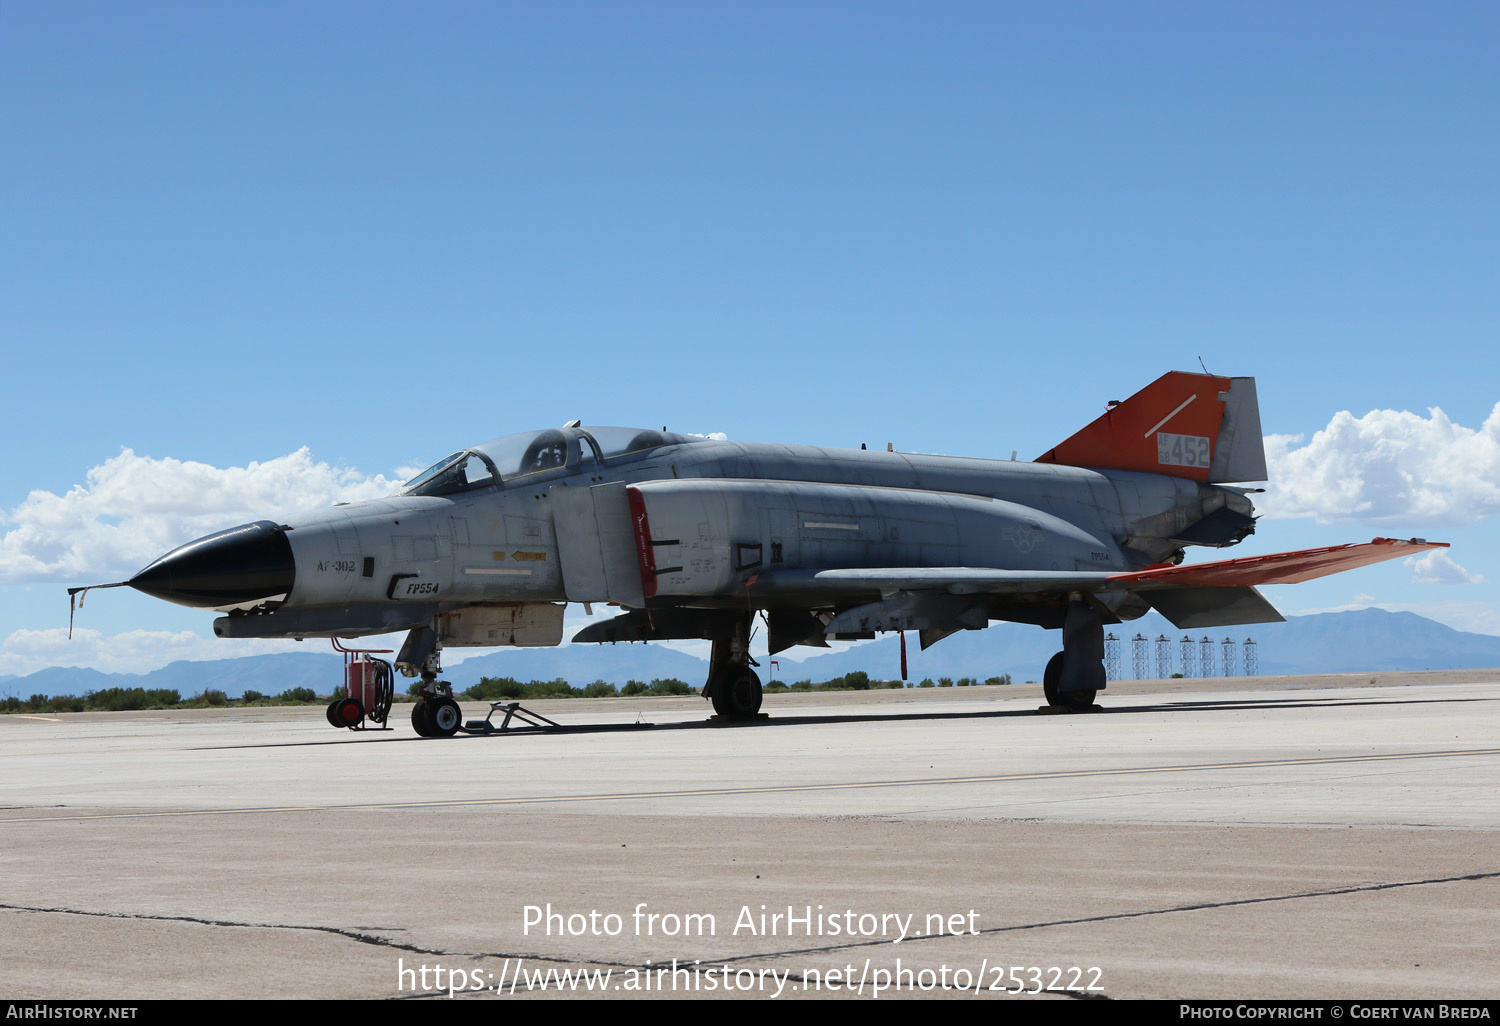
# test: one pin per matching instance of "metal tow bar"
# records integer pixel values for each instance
(533, 722)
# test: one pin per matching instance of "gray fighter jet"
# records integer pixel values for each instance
(694, 538)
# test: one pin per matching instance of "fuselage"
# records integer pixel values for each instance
(482, 528)
(694, 538)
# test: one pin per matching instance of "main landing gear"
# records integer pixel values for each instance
(733, 687)
(1075, 676)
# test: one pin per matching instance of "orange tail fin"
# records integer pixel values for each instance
(1197, 426)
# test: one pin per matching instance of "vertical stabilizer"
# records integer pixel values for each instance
(1198, 426)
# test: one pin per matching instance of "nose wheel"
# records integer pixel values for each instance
(436, 717)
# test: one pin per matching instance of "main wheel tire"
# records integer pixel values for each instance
(347, 712)
(737, 693)
(1052, 687)
(421, 718)
(1078, 701)
(1051, 677)
(446, 718)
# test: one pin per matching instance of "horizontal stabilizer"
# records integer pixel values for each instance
(1191, 608)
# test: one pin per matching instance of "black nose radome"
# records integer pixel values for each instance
(240, 565)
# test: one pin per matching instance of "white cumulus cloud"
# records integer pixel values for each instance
(131, 509)
(1436, 567)
(1387, 467)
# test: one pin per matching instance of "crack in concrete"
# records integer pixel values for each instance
(337, 931)
(1142, 913)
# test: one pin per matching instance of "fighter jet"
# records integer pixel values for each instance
(694, 538)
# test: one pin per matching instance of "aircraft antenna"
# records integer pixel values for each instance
(82, 593)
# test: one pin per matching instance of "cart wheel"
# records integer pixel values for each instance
(332, 706)
(348, 712)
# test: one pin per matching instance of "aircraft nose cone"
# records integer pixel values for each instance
(235, 567)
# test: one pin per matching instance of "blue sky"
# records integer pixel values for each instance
(379, 232)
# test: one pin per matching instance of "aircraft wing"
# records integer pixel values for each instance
(1211, 594)
(1277, 568)
(1247, 571)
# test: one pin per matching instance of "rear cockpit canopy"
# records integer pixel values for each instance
(507, 459)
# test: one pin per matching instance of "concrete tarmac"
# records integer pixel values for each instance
(1315, 837)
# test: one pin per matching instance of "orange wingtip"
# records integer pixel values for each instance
(1280, 567)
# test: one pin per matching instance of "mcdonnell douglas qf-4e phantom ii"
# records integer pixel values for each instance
(693, 537)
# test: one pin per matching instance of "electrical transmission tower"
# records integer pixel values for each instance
(1111, 656)
(1189, 657)
(1206, 657)
(1163, 656)
(1252, 658)
(1228, 657)
(1142, 660)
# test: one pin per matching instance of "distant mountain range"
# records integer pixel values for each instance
(269, 674)
(1348, 642)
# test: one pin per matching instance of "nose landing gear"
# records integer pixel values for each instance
(435, 713)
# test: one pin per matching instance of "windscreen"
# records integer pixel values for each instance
(535, 452)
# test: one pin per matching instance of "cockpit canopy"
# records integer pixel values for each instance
(506, 459)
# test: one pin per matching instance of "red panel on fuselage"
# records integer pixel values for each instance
(645, 554)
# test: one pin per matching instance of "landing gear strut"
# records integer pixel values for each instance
(733, 687)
